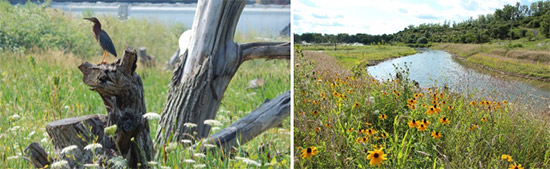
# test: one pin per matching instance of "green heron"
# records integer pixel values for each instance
(103, 39)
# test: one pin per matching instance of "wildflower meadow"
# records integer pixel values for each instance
(346, 119)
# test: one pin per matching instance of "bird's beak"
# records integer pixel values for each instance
(90, 19)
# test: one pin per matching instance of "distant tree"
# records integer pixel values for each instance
(422, 40)
(545, 25)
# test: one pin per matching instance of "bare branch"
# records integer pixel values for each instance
(266, 50)
(270, 114)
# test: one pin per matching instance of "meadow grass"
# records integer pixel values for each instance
(343, 119)
(349, 56)
(524, 59)
(40, 83)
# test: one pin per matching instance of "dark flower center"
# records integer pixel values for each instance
(308, 150)
(414, 121)
(444, 119)
(375, 155)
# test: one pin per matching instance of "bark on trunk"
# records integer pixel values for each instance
(207, 66)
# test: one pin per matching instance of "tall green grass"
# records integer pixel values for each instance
(349, 56)
(40, 83)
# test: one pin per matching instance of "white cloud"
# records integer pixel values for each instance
(389, 16)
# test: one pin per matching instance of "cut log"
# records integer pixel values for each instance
(207, 66)
(270, 114)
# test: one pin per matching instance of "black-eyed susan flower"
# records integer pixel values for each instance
(358, 140)
(444, 120)
(412, 123)
(436, 135)
(450, 107)
(411, 106)
(384, 93)
(515, 166)
(328, 125)
(484, 119)
(504, 102)
(507, 157)
(426, 122)
(371, 131)
(383, 117)
(444, 102)
(315, 112)
(472, 103)
(421, 127)
(350, 129)
(309, 152)
(384, 135)
(473, 127)
(424, 105)
(364, 139)
(317, 129)
(430, 110)
(376, 157)
(356, 104)
(368, 124)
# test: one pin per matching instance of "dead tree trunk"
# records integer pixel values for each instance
(206, 68)
(122, 92)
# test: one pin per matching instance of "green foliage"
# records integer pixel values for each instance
(30, 27)
(545, 25)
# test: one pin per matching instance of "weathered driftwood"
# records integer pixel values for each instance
(207, 65)
(122, 92)
(121, 89)
(37, 155)
(270, 114)
(145, 59)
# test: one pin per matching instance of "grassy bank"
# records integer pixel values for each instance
(522, 59)
(40, 83)
(349, 56)
(344, 121)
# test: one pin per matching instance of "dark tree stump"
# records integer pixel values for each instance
(122, 92)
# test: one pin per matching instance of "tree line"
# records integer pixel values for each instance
(508, 23)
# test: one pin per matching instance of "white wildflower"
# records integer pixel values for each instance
(249, 161)
(200, 155)
(186, 141)
(13, 157)
(60, 164)
(212, 122)
(32, 133)
(152, 163)
(209, 145)
(190, 125)
(215, 128)
(14, 117)
(118, 162)
(151, 116)
(189, 161)
(66, 107)
(370, 100)
(376, 112)
(44, 140)
(165, 167)
(199, 165)
(171, 147)
(14, 128)
(91, 165)
(68, 149)
(92, 147)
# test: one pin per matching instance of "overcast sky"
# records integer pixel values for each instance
(385, 16)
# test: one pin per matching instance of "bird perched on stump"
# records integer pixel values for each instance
(103, 38)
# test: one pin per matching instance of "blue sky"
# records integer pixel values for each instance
(385, 16)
